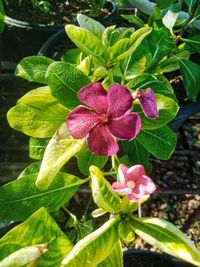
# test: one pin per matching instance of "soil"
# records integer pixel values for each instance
(61, 12)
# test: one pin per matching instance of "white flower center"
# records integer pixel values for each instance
(131, 184)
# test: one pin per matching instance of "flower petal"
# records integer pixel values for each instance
(136, 196)
(119, 100)
(146, 184)
(94, 95)
(125, 127)
(135, 172)
(121, 188)
(148, 103)
(122, 173)
(101, 142)
(80, 121)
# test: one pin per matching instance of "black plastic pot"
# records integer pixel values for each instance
(144, 258)
(186, 111)
(21, 39)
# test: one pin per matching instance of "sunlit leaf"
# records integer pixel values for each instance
(40, 228)
(20, 198)
(61, 148)
(91, 25)
(169, 20)
(37, 147)
(37, 114)
(115, 259)
(166, 237)
(33, 68)
(102, 192)
(94, 248)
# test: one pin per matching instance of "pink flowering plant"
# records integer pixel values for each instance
(90, 125)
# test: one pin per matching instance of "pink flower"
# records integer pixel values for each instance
(107, 117)
(148, 102)
(133, 182)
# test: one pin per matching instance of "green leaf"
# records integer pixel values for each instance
(37, 114)
(20, 198)
(159, 86)
(166, 237)
(57, 250)
(118, 49)
(2, 17)
(160, 142)
(169, 20)
(33, 168)
(137, 154)
(37, 147)
(61, 148)
(135, 40)
(190, 4)
(86, 41)
(167, 110)
(24, 256)
(191, 77)
(91, 25)
(40, 228)
(134, 19)
(194, 41)
(115, 259)
(94, 248)
(164, 4)
(85, 159)
(33, 68)
(64, 81)
(102, 192)
(159, 43)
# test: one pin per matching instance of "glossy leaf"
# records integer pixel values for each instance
(167, 110)
(194, 41)
(191, 77)
(33, 168)
(166, 237)
(86, 41)
(159, 142)
(115, 259)
(135, 39)
(37, 114)
(64, 81)
(61, 148)
(40, 228)
(33, 68)
(169, 20)
(20, 198)
(24, 256)
(94, 248)
(146, 80)
(102, 192)
(91, 25)
(37, 147)
(85, 159)
(159, 43)
(57, 250)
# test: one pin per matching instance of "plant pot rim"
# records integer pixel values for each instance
(44, 27)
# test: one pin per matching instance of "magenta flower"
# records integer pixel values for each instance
(107, 117)
(148, 102)
(133, 182)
